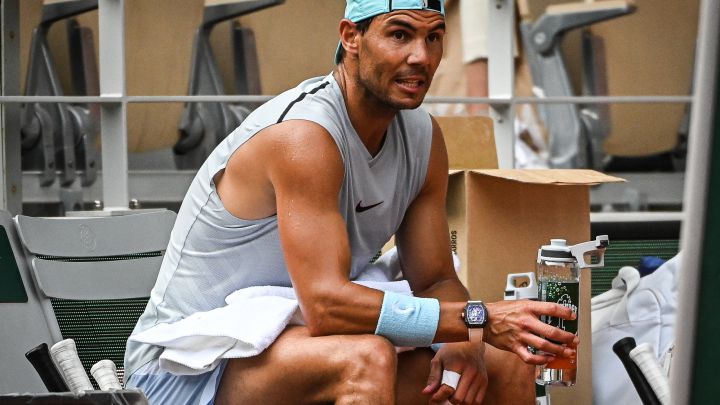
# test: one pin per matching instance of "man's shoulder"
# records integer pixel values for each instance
(298, 134)
(295, 127)
(314, 103)
(293, 104)
(300, 149)
(297, 93)
(306, 88)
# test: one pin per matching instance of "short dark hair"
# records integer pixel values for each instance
(362, 26)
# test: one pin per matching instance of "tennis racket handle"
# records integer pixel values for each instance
(105, 373)
(64, 353)
(644, 356)
(622, 349)
(40, 359)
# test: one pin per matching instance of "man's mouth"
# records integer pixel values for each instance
(410, 84)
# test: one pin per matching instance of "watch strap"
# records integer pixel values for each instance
(475, 334)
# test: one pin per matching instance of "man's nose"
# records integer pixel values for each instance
(419, 54)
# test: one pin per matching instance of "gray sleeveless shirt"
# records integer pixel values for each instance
(212, 253)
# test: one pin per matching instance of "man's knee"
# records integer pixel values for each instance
(370, 367)
(373, 353)
(343, 369)
(510, 380)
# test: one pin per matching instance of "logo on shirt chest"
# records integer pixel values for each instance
(362, 208)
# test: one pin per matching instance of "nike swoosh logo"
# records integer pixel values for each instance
(400, 310)
(360, 208)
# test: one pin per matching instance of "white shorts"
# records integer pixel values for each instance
(161, 387)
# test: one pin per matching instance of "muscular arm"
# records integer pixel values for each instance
(424, 245)
(306, 173)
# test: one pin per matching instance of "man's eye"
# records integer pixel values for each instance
(399, 35)
(433, 37)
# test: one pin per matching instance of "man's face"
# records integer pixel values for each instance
(398, 57)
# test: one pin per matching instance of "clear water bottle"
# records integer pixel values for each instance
(558, 278)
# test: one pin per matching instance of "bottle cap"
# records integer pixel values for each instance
(557, 250)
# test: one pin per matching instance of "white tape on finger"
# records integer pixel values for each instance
(450, 378)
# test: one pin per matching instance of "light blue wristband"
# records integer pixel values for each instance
(408, 321)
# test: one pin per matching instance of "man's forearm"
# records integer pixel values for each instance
(450, 292)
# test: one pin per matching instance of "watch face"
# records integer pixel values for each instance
(475, 314)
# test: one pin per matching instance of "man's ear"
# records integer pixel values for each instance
(349, 36)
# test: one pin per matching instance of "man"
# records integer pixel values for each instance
(304, 194)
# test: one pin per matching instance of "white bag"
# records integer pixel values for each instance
(643, 308)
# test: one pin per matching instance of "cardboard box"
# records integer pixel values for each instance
(469, 141)
(499, 218)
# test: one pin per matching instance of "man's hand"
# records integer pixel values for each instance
(466, 359)
(514, 325)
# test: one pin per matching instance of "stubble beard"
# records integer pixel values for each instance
(374, 93)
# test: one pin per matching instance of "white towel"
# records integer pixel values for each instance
(198, 343)
(252, 319)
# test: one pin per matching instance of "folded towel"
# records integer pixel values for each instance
(250, 322)
(198, 343)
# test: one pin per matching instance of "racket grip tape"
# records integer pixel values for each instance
(644, 356)
(64, 353)
(622, 349)
(41, 360)
(105, 373)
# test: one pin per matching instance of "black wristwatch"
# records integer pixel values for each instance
(475, 314)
